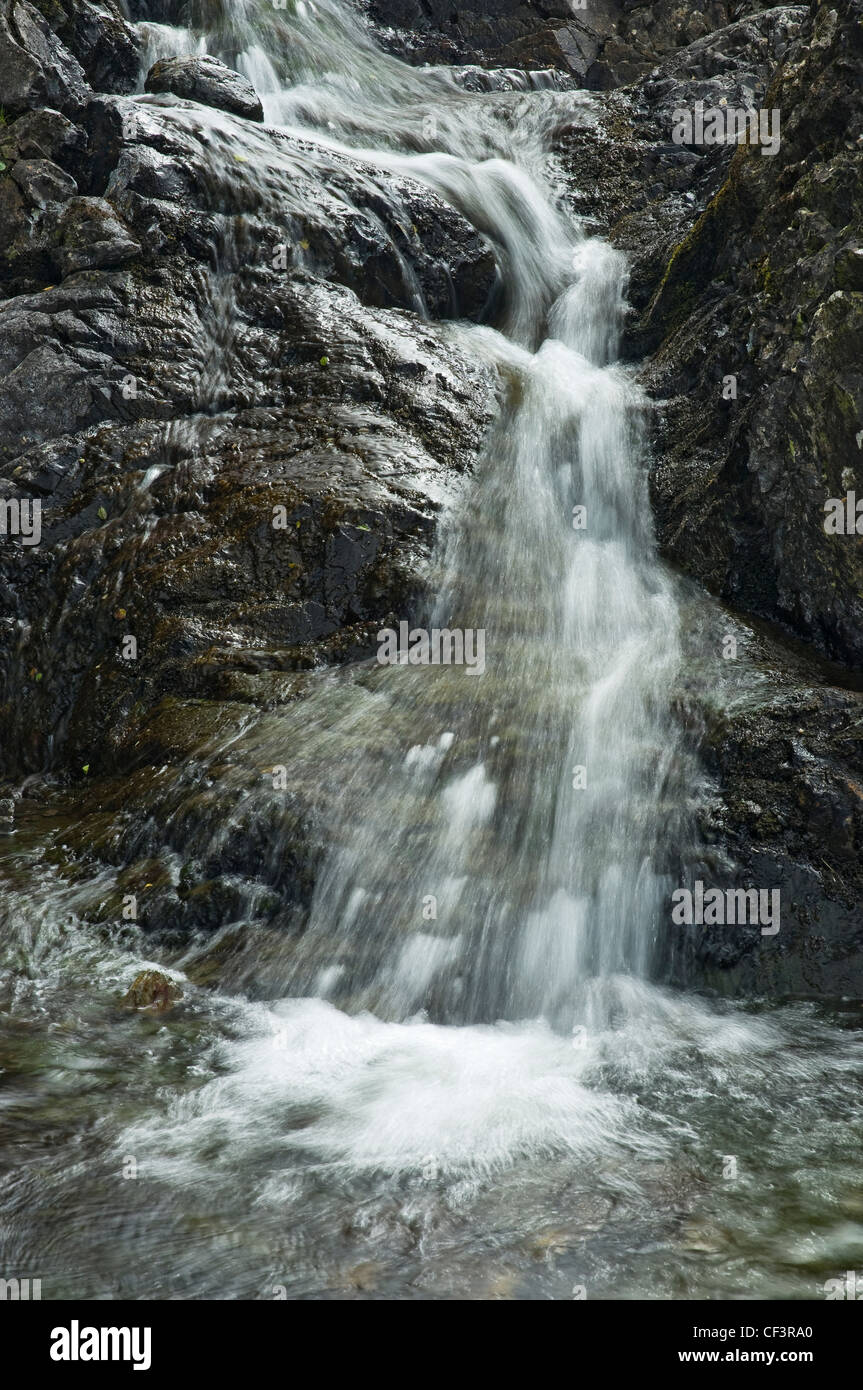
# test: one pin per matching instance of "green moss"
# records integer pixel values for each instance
(765, 276)
(692, 262)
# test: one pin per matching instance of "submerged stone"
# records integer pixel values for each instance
(152, 990)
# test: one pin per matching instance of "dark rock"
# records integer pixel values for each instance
(45, 392)
(251, 353)
(434, 32)
(43, 135)
(91, 236)
(603, 45)
(477, 79)
(731, 66)
(764, 289)
(208, 81)
(19, 249)
(42, 182)
(783, 741)
(637, 187)
(36, 68)
(102, 40)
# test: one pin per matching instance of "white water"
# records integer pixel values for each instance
(546, 892)
(544, 888)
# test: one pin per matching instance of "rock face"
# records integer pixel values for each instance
(789, 815)
(751, 313)
(781, 740)
(229, 388)
(629, 178)
(207, 80)
(602, 43)
(515, 33)
(51, 54)
(768, 289)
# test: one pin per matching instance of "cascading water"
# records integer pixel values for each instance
(538, 885)
(547, 794)
(461, 1066)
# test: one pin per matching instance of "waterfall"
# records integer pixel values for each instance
(535, 823)
(516, 861)
(465, 1072)
(506, 862)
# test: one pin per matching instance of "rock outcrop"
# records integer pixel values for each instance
(763, 299)
(53, 54)
(603, 44)
(207, 401)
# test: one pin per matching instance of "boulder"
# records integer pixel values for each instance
(43, 134)
(42, 182)
(207, 80)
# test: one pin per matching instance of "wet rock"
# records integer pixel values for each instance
(602, 45)
(747, 265)
(36, 67)
(515, 33)
(385, 236)
(42, 182)
(46, 135)
(153, 991)
(633, 183)
(23, 253)
(99, 35)
(731, 66)
(44, 392)
(783, 743)
(51, 52)
(207, 80)
(91, 236)
(241, 337)
(760, 299)
(207, 381)
(476, 79)
(43, 154)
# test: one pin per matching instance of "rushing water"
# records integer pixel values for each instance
(462, 1079)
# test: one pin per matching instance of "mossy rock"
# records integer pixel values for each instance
(153, 991)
